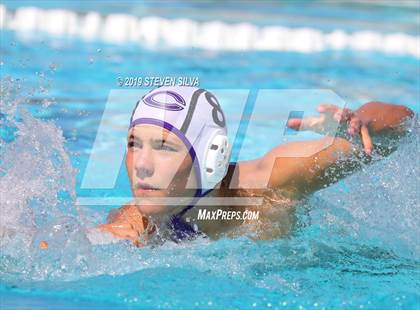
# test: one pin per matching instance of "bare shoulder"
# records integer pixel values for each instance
(255, 177)
(239, 177)
(273, 170)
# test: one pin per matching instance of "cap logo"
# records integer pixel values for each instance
(166, 100)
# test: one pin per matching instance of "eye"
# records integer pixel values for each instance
(165, 147)
(134, 144)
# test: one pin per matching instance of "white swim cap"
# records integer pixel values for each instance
(196, 117)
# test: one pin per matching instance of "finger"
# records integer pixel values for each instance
(115, 225)
(294, 123)
(137, 243)
(354, 126)
(105, 228)
(366, 140)
(124, 231)
(307, 123)
(328, 108)
(129, 234)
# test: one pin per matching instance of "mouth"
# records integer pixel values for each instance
(145, 187)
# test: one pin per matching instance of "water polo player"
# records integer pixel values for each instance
(178, 148)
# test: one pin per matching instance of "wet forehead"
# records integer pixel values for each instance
(153, 132)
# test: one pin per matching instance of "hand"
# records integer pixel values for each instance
(331, 116)
(123, 231)
(125, 223)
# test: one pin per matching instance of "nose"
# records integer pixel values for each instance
(144, 163)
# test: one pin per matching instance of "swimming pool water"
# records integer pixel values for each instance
(356, 244)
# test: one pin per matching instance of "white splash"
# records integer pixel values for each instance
(37, 180)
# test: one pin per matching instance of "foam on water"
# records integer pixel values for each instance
(380, 203)
(37, 180)
(215, 35)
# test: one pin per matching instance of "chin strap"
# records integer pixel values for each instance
(192, 205)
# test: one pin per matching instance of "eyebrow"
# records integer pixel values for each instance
(165, 142)
(132, 137)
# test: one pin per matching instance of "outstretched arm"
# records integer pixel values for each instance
(305, 167)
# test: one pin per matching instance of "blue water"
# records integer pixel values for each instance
(355, 244)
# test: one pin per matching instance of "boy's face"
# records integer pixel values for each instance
(159, 166)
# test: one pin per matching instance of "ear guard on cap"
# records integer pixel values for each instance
(216, 160)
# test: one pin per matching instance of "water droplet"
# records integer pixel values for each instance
(46, 103)
(53, 66)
